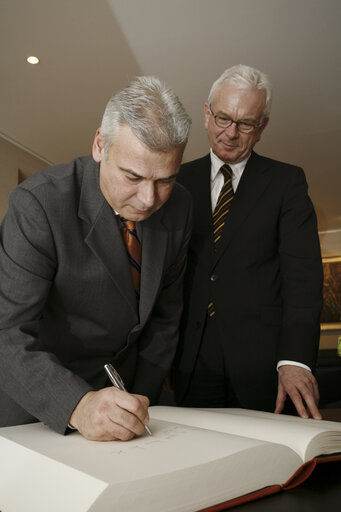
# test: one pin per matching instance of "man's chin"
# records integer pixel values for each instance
(228, 155)
(139, 215)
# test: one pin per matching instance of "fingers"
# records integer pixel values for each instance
(130, 411)
(312, 406)
(298, 403)
(301, 386)
(316, 392)
(280, 401)
(308, 391)
(110, 414)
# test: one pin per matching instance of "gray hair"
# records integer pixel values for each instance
(152, 111)
(245, 77)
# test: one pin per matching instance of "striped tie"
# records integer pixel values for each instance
(219, 215)
(133, 247)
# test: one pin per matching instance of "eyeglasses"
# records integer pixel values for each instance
(242, 126)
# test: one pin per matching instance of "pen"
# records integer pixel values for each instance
(118, 383)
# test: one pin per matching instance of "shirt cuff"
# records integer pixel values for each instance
(292, 363)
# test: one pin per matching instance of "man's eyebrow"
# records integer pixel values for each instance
(246, 118)
(130, 171)
(135, 175)
(170, 177)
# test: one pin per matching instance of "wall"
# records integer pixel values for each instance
(13, 158)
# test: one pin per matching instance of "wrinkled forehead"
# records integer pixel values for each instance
(247, 101)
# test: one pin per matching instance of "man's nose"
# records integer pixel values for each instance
(147, 194)
(232, 130)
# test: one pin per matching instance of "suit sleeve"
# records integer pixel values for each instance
(33, 379)
(159, 339)
(301, 275)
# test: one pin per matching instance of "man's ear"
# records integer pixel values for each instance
(261, 129)
(206, 114)
(98, 147)
(265, 124)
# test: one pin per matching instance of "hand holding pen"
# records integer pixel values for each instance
(118, 383)
(110, 414)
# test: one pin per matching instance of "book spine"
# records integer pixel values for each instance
(267, 491)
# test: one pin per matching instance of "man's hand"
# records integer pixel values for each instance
(299, 384)
(110, 414)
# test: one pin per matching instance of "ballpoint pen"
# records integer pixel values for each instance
(118, 383)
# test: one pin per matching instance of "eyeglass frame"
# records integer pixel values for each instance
(237, 123)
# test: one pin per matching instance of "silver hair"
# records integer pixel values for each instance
(152, 111)
(245, 77)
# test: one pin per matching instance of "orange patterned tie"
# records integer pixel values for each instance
(133, 247)
(219, 215)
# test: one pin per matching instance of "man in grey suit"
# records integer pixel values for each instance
(67, 299)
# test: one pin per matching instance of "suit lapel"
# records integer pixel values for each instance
(200, 186)
(154, 245)
(252, 185)
(103, 236)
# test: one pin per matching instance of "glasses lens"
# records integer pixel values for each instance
(245, 127)
(223, 122)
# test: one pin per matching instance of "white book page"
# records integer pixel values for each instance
(179, 468)
(172, 447)
(308, 438)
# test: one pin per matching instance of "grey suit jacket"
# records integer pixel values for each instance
(67, 301)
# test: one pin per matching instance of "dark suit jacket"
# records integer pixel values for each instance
(265, 277)
(67, 300)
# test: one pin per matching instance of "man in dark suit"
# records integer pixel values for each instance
(70, 300)
(250, 329)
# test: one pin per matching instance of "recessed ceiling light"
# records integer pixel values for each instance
(32, 60)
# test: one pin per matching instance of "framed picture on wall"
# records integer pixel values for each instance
(331, 312)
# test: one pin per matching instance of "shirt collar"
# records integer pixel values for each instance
(216, 163)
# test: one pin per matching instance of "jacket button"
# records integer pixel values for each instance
(214, 277)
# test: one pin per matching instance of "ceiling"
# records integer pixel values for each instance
(90, 49)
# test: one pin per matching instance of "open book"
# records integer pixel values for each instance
(284, 451)
(195, 459)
